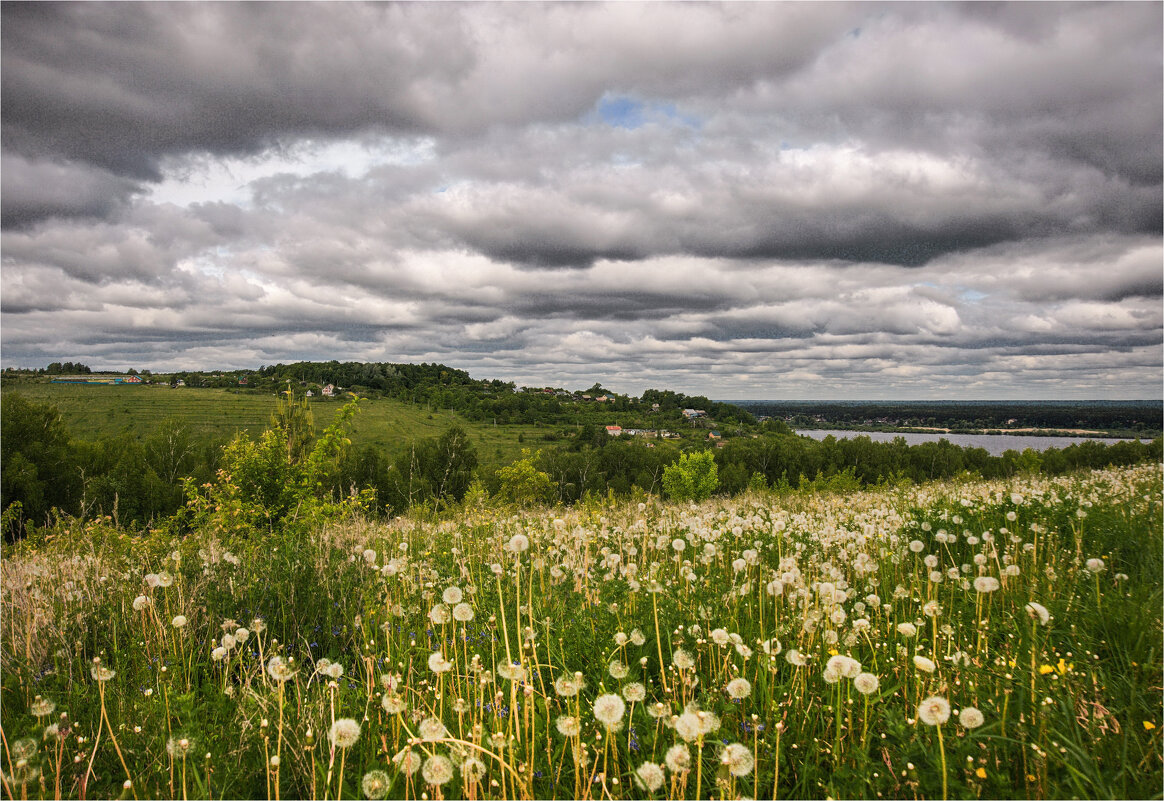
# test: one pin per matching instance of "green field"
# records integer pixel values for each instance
(94, 412)
(962, 639)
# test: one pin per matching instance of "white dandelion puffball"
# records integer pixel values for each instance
(568, 726)
(634, 692)
(473, 769)
(452, 596)
(369, 556)
(866, 683)
(971, 717)
(463, 613)
(609, 709)
(344, 733)
(678, 759)
(738, 759)
(241, 635)
(649, 776)
(679, 545)
(431, 729)
(934, 711)
(618, 670)
(907, 629)
(739, 688)
(179, 621)
(437, 770)
(518, 543)
(218, 654)
(279, 669)
(140, 603)
(1038, 611)
(375, 784)
(408, 760)
(986, 584)
(438, 664)
(687, 726)
(682, 660)
(1095, 565)
(720, 637)
(567, 686)
(393, 704)
(439, 615)
(917, 546)
(924, 665)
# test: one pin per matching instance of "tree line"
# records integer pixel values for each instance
(139, 482)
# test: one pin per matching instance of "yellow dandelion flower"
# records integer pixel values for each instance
(1149, 725)
(980, 773)
(1045, 669)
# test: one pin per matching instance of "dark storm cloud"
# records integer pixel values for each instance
(914, 199)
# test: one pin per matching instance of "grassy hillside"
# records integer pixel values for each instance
(94, 412)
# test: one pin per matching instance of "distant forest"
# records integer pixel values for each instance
(1117, 418)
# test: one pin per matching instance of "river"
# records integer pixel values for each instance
(996, 444)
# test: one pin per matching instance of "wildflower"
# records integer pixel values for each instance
(164, 579)
(568, 726)
(678, 544)
(917, 546)
(1095, 565)
(518, 543)
(678, 759)
(739, 688)
(437, 770)
(866, 683)
(772, 647)
(634, 692)
(334, 671)
(179, 621)
(439, 615)
(375, 784)
(738, 759)
(431, 729)
(794, 657)
(228, 642)
(1037, 610)
(907, 629)
(934, 711)
(932, 609)
(218, 654)
(924, 665)
(241, 635)
(649, 776)
(971, 717)
(1149, 725)
(609, 709)
(831, 675)
(344, 733)
(99, 672)
(140, 603)
(473, 769)
(52, 731)
(438, 664)
(618, 670)
(682, 660)
(657, 710)
(637, 637)
(463, 613)
(986, 584)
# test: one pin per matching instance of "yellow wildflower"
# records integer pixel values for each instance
(980, 773)
(1045, 669)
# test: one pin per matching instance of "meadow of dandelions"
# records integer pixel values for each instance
(963, 639)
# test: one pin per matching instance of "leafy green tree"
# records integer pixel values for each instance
(693, 478)
(40, 471)
(438, 469)
(293, 417)
(260, 487)
(523, 484)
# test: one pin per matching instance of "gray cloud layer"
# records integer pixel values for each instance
(765, 200)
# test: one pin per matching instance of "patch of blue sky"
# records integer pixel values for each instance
(623, 111)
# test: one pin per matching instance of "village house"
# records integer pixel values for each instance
(614, 431)
(328, 390)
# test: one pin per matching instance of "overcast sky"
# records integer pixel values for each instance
(755, 200)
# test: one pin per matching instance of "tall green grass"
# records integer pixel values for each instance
(665, 606)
